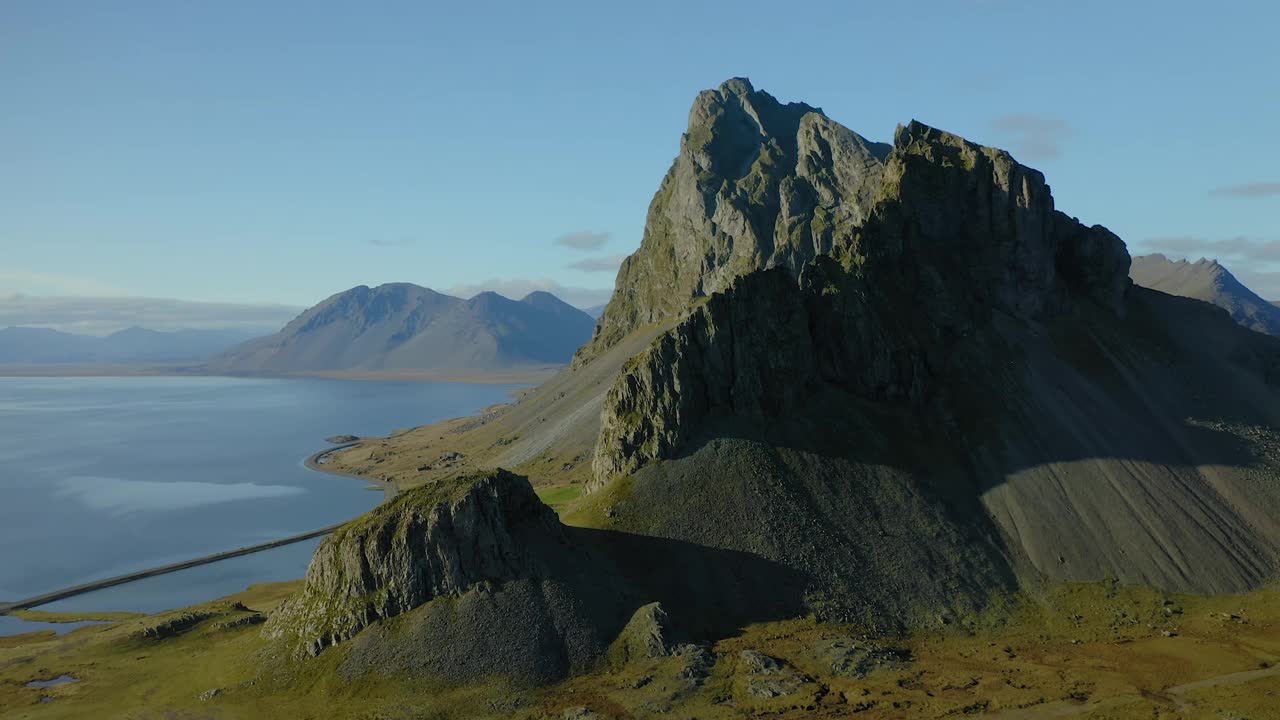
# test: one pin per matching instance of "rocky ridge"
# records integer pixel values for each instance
(1209, 281)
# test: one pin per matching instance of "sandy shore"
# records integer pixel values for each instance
(513, 376)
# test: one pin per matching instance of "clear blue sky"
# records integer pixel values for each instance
(277, 152)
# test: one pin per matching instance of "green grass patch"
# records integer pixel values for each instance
(559, 496)
(70, 617)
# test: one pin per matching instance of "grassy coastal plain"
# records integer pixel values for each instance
(1095, 650)
(1098, 650)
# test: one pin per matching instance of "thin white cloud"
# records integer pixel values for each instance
(1033, 136)
(583, 240)
(1250, 190)
(581, 297)
(608, 263)
(395, 242)
(33, 281)
(103, 315)
(1255, 250)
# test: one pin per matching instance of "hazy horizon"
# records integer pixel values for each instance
(102, 316)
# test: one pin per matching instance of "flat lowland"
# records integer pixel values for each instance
(97, 370)
(1097, 650)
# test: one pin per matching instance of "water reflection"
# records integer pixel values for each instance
(107, 476)
(60, 680)
(10, 625)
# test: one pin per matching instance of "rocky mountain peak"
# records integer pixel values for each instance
(759, 184)
(756, 184)
(487, 299)
(952, 236)
(546, 301)
(729, 125)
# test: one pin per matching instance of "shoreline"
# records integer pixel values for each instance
(314, 461)
(533, 375)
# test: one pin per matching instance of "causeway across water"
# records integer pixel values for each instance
(161, 570)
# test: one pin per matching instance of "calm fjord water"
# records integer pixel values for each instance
(102, 476)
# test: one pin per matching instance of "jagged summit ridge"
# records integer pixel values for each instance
(1209, 281)
(756, 184)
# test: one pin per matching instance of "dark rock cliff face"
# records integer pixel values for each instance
(435, 541)
(959, 233)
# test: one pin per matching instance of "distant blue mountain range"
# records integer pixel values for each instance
(131, 346)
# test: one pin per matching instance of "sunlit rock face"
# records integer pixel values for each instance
(757, 184)
(429, 542)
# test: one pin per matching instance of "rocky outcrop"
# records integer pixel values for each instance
(646, 635)
(959, 233)
(433, 541)
(757, 184)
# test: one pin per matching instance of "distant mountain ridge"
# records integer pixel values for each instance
(404, 326)
(131, 346)
(1209, 281)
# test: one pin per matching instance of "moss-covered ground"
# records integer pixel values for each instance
(1097, 650)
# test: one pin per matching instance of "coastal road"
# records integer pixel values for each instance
(161, 570)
